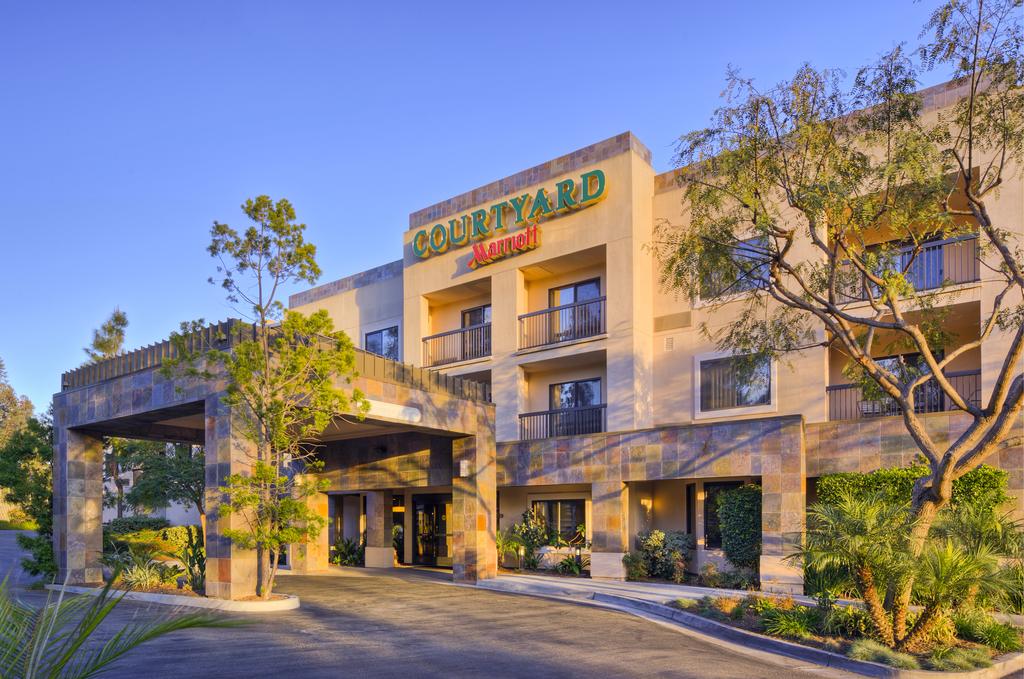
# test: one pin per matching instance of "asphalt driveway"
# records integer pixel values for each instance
(417, 624)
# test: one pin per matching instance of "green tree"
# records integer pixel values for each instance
(787, 187)
(14, 410)
(26, 472)
(122, 457)
(108, 339)
(172, 473)
(286, 381)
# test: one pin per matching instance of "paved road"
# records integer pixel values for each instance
(415, 624)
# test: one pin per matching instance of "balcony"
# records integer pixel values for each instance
(939, 263)
(454, 346)
(845, 402)
(563, 422)
(562, 323)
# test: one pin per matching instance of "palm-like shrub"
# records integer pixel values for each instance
(53, 640)
(861, 536)
(507, 544)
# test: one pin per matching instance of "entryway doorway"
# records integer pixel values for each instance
(432, 521)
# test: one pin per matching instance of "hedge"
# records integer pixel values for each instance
(985, 484)
(739, 517)
(130, 524)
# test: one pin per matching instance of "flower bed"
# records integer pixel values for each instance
(962, 641)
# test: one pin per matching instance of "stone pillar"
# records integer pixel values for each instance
(610, 532)
(474, 505)
(783, 511)
(231, 572)
(379, 552)
(77, 505)
(314, 555)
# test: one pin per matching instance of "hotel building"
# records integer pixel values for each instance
(539, 293)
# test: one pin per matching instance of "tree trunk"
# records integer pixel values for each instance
(924, 624)
(876, 610)
(924, 516)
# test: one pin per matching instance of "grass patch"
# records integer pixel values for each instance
(954, 659)
(872, 651)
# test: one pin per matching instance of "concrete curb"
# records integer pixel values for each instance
(288, 603)
(1003, 666)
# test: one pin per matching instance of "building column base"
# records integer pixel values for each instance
(607, 566)
(781, 577)
(380, 557)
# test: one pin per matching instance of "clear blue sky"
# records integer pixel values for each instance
(126, 128)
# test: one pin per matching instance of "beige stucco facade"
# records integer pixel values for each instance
(641, 342)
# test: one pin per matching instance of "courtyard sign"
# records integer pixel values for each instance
(524, 211)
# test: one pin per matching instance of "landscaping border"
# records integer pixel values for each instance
(1002, 666)
(288, 602)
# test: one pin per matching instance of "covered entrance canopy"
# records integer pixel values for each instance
(421, 415)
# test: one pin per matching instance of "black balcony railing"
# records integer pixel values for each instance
(457, 345)
(564, 422)
(562, 323)
(845, 402)
(939, 263)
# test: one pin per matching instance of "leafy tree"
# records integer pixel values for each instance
(108, 339)
(788, 188)
(14, 410)
(739, 515)
(26, 473)
(283, 380)
(121, 457)
(171, 473)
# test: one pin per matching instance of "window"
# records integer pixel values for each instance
(476, 316)
(733, 382)
(749, 271)
(575, 292)
(564, 518)
(383, 342)
(712, 529)
(578, 394)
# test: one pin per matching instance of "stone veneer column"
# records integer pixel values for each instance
(314, 555)
(783, 510)
(379, 552)
(474, 506)
(231, 572)
(609, 511)
(77, 506)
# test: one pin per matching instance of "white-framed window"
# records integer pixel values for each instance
(383, 342)
(723, 387)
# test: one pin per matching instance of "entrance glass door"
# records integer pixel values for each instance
(432, 523)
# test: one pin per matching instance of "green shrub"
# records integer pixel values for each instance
(849, 622)
(739, 578)
(636, 566)
(348, 552)
(953, 659)
(1001, 637)
(570, 566)
(872, 651)
(664, 553)
(531, 533)
(739, 517)
(193, 558)
(760, 605)
(131, 524)
(710, 576)
(977, 626)
(796, 623)
(984, 485)
(177, 537)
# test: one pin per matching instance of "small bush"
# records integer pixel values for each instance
(849, 622)
(1001, 637)
(664, 553)
(977, 626)
(130, 524)
(953, 659)
(710, 576)
(636, 566)
(796, 623)
(727, 604)
(570, 566)
(760, 604)
(739, 578)
(348, 552)
(872, 651)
